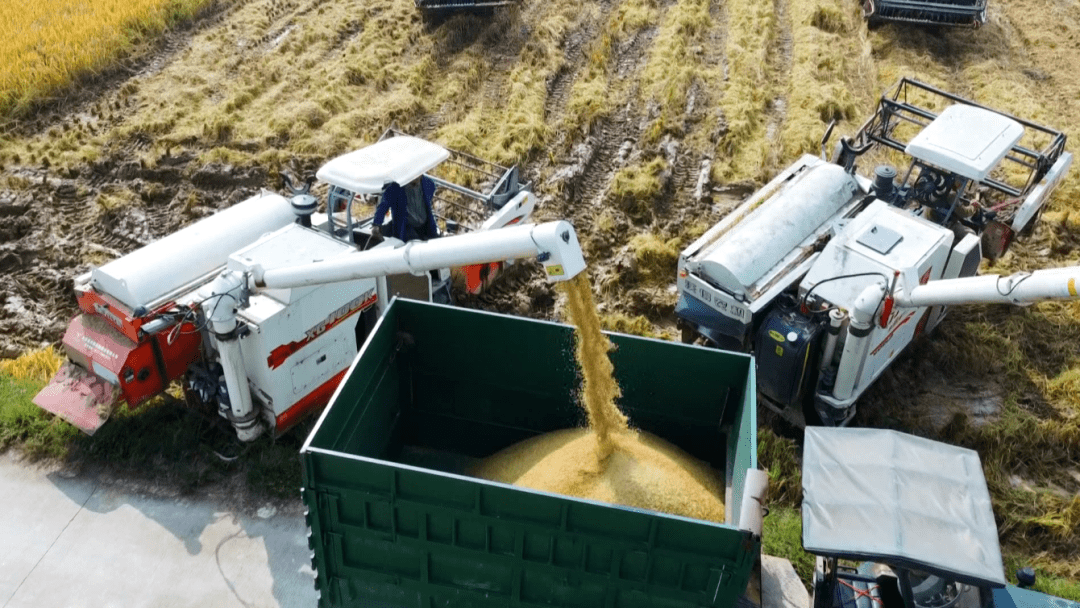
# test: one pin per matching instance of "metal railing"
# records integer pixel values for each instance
(898, 107)
(490, 186)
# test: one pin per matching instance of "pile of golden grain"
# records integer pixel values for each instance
(609, 461)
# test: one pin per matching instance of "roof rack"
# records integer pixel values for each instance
(900, 107)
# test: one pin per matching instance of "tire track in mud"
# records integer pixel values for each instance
(692, 167)
(691, 175)
(503, 41)
(596, 159)
(560, 84)
(578, 179)
(779, 71)
(55, 227)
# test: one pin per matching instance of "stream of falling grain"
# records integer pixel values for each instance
(609, 461)
(599, 389)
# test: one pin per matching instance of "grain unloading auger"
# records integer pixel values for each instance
(826, 275)
(260, 310)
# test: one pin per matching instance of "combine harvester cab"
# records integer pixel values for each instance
(170, 310)
(396, 521)
(826, 302)
(951, 13)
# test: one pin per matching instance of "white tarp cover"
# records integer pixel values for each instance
(890, 497)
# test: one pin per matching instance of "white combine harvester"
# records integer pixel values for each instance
(826, 275)
(260, 310)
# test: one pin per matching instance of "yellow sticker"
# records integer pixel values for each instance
(1072, 287)
(775, 335)
(779, 351)
(555, 270)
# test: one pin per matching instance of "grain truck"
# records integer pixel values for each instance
(397, 520)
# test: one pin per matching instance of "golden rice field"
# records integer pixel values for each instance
(47, 44)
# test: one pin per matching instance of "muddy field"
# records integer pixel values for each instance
(641, 121)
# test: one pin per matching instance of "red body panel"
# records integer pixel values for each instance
(479, 276)
(100, 305)
(94, 342)
(314, 400)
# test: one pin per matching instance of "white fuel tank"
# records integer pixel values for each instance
(780, 225)
(144, 276)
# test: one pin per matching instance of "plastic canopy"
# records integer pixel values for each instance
(398, 159)
(898, 499)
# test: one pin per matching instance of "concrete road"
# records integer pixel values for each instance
(75, 542)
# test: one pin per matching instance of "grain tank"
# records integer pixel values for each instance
(396, 521)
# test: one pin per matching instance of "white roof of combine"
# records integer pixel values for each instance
(398, 159)
(966, 140)
(890, 497)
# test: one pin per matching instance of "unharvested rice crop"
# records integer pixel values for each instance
(49, 44)
(37, 365)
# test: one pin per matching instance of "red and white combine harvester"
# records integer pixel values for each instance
(260, 310)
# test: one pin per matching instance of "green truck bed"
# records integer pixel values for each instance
(393, 522)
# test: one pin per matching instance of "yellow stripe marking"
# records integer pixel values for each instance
(1072, 287)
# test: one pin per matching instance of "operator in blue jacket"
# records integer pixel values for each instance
(410, 210)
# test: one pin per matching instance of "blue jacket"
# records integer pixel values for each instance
(394, 200)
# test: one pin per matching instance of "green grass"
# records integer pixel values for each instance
(782, 537)
(779, 457)
(184, 449)
(24, 424)
(1044, 581)
(162, 439)
(782, 534)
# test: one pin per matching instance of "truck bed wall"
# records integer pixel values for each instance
(451, 380)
